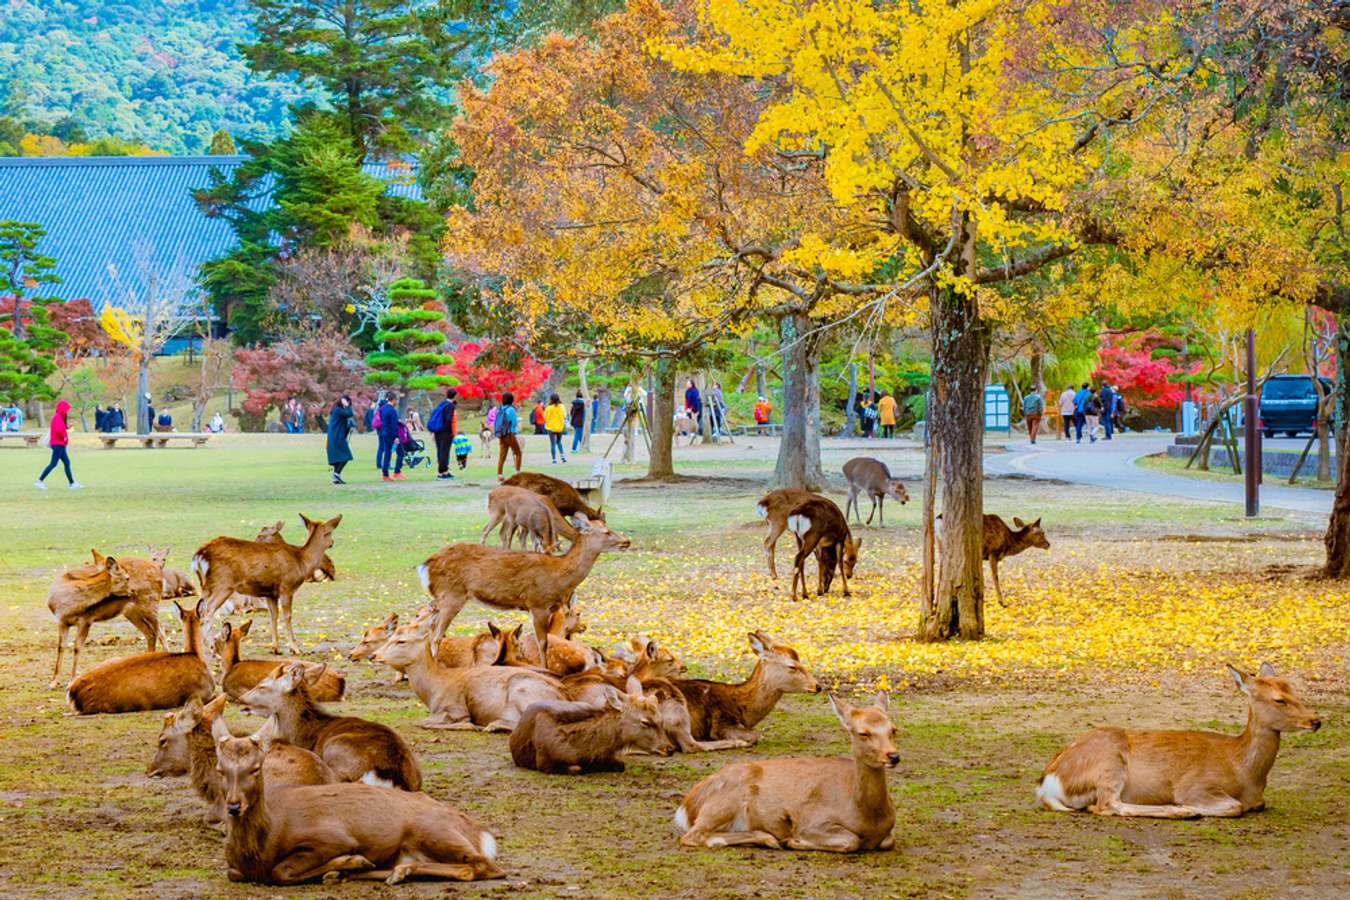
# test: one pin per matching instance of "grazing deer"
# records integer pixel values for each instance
(822, 529)
(1179, 774)
(774, 508)
(562, 495)
(818, 803)
(507, 579)
(518, 508)
(731, 711)
(559, 737)
(271, 570)
(1000, 542)
(89, 594)
(488, 697)
(186, 747)
(871, 477)
(361, 831)
(355, 749)
(239, 676)
(154, 680)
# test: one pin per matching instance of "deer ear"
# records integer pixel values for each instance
(334, 522)
(757, 644)
(243, 629)
(494, 630)
(305, 522)
(515, 632)
(264, 736)
(1019, 523)
(292, 676)
(841, 708)
(181, 612)
(220, 731)
(1266, 670)
(215, 707)
(98, 557)
(883, 701)
(313, 675)
(612, 699)
(1239, 678)
(857, 545)
(633, 687)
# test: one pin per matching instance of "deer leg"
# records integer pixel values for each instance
(493, 518)
(881, 511)
(446, 610)
(873, 511)
(770, 542)
(830, 838)
(308, 865)
(276, 637)
(1210, 803)
(842, 577)
(287, 602)
(741, 838)
(541, 616)
(81, 635)
(451, 871)
(147, 623)
(998, 590)
(61, 629)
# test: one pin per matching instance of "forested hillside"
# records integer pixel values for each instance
(164, 73)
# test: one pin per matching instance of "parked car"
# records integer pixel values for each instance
(1289, 404)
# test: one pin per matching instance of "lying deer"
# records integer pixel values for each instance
(519, 509)
(355, 749)
(492, 698)
(97, 593)
(565, 657)
(271, 570)
(186, 747)
(1000, 542)
(774, 508)
(506, 579)
(562, 495)
(241, 675)
(154, 680)
(821, 529)
(870, 476)
(731, 711)
(672, 710)
(1179, 774)
(307, 832)
(558, 737)
(815, 803)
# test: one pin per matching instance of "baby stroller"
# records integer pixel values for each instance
(414, 451)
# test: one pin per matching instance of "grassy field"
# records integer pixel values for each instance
(1128, 619)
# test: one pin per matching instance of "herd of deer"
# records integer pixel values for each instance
(313, 795)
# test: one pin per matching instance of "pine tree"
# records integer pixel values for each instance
(411, 345)
(27, 342)
(222, 144)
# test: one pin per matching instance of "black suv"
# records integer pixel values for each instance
(1289, 404)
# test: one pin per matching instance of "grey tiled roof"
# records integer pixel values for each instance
(95, 208)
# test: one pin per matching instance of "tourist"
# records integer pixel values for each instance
(1092, 413)
(369, 419)
(1107, 398)
(506, 428)
(578, 421)
(149, 415)
(1066, 410)
(867, 414)
(217, 423)
(441, 423)
(763, 413)
(1080, 412)
(886, 414)
(414, 421)
(555, 422)
(537, 417)
(1121, 409)
(100, 419)
(1033, 407)
(463, 447)
(389, 426)
(693, 403)
(341, 421)
(58, 437)
(717, 408)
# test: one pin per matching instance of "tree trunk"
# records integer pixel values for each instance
(661, 464)
(761, 387)
(799, 451)
(198, 410)
(960, 357)
(1337, 538)
(1038, 371)
(704, 413)
(586, 423)
(143, 423)
(850, 416)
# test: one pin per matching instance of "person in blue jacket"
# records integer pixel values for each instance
(389, 445)
(1080, 400)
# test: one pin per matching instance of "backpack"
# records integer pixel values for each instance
(501, 428)
(375, 419)
(436, 421)
(870, 412)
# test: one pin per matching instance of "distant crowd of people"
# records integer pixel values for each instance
(876, 411)
(1096, 411)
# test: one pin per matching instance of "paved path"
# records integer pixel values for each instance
(1111, 464)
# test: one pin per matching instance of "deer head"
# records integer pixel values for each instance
(158, 557)
(597, 533)
(374, 637)
(783, 670)
(870, 730)
(320, 531)
(405, 647)
(1273, 702)
(848, 555)
(1031, 535)
(639, 719)
(239, 762)
(896, 489)
(654, 661)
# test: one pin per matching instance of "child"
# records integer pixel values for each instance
(462, 447)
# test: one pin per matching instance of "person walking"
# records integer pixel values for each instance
(369, 418)
(555, 422)
(1033, 407)
(886, 414)
(506, 427)
(441, 423)
(1066, 410)
(389, 444)
(537, 417)
(717, 408)
(1107, 398)
(1121, 409)
(58, 439)
(693, 403)
(341, 421)
(1080, 412)
(577, 419)
(1092, 414)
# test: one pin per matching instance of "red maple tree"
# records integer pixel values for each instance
(478, 377)
(1127, 362)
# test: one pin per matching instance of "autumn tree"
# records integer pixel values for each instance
(411, 346)
(28, 341)
(314, 370)
(480, 371)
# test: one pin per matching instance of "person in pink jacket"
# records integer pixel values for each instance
(58, 438)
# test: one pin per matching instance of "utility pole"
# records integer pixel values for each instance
(1250, 431)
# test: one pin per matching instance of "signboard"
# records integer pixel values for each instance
(997, 408)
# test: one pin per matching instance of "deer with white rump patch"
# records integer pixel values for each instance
(821, 529)
(774, 508)
(833, 804)
(871, 477)
(1179, 774)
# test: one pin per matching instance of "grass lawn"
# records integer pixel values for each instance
(1127, 619)
(1174, 466)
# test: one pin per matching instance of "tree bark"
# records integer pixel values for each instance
(1038, 371)
(143, 423)
(704, 417)
(850, 416)
(799, 451)
(586, 423)
(1337, 538)
(761, 387)
(660, 463)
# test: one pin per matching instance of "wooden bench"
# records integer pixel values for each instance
(772, 429)
(154, 439)
(29, 438)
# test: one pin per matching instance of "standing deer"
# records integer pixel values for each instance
(1000, 542)
(506, 579)
(97, 593)
(833, 804)
(822, 529)
(774, 508)
(1179, 774)
(239, 676)
(565, 498)
(517, 508)
(303, 833)
(271, 570)
(721, 711)
(871, 477)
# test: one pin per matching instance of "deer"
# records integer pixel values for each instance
(821, 529)
(271, 570)
(1000, 542)
(565, 657)
(271, 534)
(565, 498)
(507, 579)
(774, 508)
(173, 583)
(517, 508)
(1179, 774)
(355, 749)
(152, 680)
(722, 711)
(296, 834)
(186, 747)
(487, 698)
(88, 594)
(238, 676)
(833, 804)
(559, 737)
(870, 476)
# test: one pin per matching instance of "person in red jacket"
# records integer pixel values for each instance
(58, 438)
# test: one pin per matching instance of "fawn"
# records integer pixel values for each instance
(1000, 542)
(240, 675)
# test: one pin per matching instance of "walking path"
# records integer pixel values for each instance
(1111, 464)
